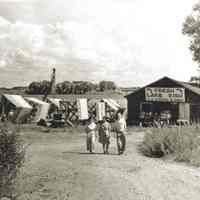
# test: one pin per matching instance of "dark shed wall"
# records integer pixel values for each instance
(194, 100)
(192, 97)
(136, 98)
(134, 101)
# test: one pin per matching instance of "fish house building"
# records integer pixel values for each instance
(180, 99)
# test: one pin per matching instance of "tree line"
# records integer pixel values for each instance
(67, 87)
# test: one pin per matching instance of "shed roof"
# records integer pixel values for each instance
(191, 87)
(194, 89)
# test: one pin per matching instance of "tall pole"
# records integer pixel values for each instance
(53, 82)
(52, 86)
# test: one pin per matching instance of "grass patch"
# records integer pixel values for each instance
(12, 154)
(48, 172)
(182, 142)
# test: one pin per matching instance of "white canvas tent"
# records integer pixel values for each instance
(115, 103)
(21, 107)
(112, 104)
(42, 108)
(82, 109)
(100, 111)
(55, 102)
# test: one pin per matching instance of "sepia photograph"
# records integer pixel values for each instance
(99, 100)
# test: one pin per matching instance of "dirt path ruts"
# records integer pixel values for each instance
(63, 170)
(130, 176)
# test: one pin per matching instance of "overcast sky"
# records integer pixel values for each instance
(131, 42)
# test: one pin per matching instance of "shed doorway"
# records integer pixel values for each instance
(157, 108)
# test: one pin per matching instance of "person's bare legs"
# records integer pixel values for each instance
(123, 139)
(92, 144)
(107, 147)
(119, 144)
(104, 148)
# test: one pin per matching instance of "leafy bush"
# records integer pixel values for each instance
(11, 158)
(182, 142)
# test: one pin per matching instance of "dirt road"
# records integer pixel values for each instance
(62, 170)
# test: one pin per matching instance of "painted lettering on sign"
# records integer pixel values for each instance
(165, 94)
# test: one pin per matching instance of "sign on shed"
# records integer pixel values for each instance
(165, 94)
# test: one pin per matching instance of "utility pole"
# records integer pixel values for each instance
(52, 86)
(53, 82)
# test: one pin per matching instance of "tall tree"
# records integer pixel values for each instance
(64, 88)
(107, 85)
(38, 87)
(195, 80)
(191, 27)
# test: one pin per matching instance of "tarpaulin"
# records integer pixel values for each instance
(22, 108)
(100, 110)
(42, 108)
(55, 101)
(82, 109)
(112, 104)
(18, 101)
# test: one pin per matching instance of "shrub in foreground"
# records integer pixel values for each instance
(11, 158)
(182, 142)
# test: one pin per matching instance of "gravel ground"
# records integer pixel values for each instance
(58, 167)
